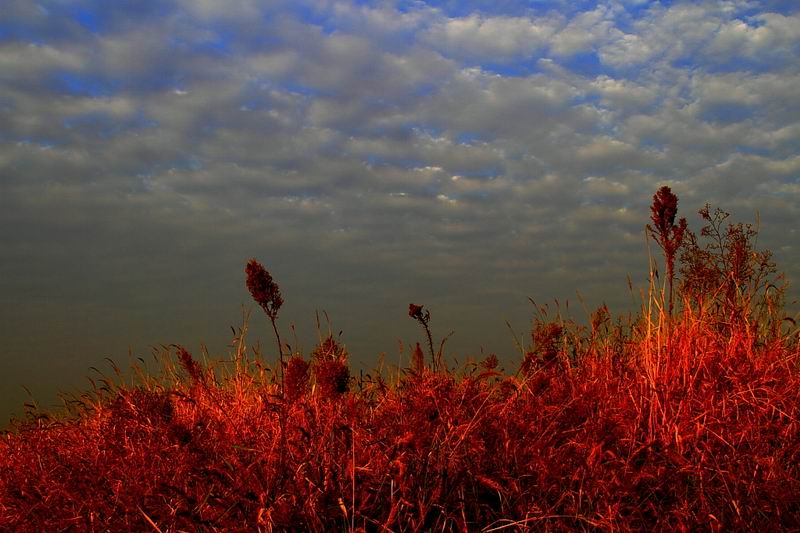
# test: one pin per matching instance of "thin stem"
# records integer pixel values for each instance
(282, 416)
(280, 348)
(434, 359)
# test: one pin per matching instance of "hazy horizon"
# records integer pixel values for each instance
(461, 155)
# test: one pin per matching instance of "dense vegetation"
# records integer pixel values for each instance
(682, 417)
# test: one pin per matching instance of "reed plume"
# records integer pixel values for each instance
(665, 232)
(267, 294)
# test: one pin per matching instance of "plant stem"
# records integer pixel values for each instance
(434, 359)
(280, 349)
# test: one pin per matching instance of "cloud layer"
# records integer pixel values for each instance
(462, 155)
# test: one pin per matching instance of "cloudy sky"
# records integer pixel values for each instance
(465, 155)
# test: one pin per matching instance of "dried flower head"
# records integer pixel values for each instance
(662, 212)
(296, 378)
(666, 233)
(664, 209)
(491, 362)
(547, 339)
(423, 316)
(263, 289)
(600, 318)
(417, 359)
(329, 363)
(415, 311)
(332, 377)
(190, 365)
(329, 350)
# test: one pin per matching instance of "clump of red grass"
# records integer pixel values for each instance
(688, 421)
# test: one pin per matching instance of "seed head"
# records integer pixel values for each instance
(664, 209)
(264, 291)
(329, 350)
(296, 378)
(423, 316)
(330, 368)
(418, 359)
(491, 362)
(419, 313)
(666, 233)
(190, 365)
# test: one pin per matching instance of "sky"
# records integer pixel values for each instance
(464, 155)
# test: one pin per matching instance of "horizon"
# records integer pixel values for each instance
(465, 156)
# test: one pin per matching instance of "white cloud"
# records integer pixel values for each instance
(494, 39)
(215, 10)
(23, 61)
(627, 50)
(605, 148)
(585, 32)
(767, 34)
(769, 98)
(380, 21)
(622, 94)
(599, 186)
(664, 34)
(276, 63)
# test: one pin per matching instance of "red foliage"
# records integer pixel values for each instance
(602, 428)
(330, 368)
(296, 379)
(715, 444)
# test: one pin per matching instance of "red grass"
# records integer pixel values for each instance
(619, 425)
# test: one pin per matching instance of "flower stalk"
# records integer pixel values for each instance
(666, 233)
(423, 316)
(268, 295)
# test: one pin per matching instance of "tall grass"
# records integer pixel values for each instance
(685, 420)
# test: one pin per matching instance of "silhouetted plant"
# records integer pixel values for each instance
(546, 340)
(490, 362)
(666, 233)
(423, 316)
(297, 373)
(417, 359)
(727, 271)
(331, 373)
(267, 294)
(190, 365)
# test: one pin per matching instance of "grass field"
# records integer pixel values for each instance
(684, 416)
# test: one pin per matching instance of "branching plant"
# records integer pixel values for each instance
(723, 269)
(423, 316)
(666, 233)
